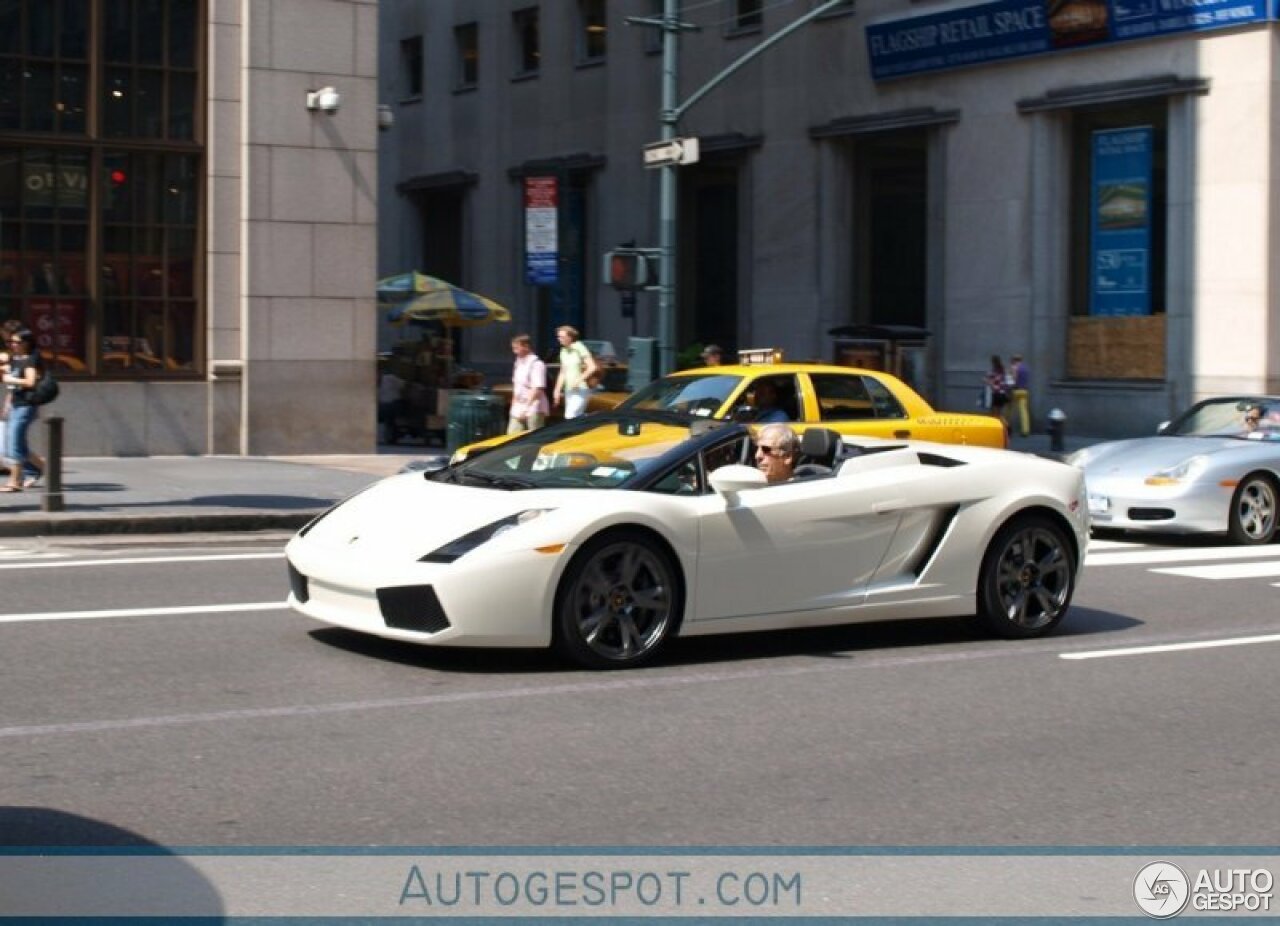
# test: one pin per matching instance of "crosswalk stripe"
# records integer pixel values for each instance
(1110, 545)
(1139, 557)
(1224, 571)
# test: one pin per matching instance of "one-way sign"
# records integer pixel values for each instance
(671, 151)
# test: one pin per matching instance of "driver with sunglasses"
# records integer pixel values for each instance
(777, 449)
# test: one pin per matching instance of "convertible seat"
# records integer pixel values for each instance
(819, 449)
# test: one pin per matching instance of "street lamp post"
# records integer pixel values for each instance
(672, 110)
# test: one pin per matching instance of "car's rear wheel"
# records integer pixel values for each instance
(1027, 578)
(1253, 511)
(619, 601)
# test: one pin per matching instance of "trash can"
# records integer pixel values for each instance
(473, 416)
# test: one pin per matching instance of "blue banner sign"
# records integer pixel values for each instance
(1016, 28)
(1120, 223)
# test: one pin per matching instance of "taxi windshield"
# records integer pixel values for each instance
(702, 395)
(592, 452)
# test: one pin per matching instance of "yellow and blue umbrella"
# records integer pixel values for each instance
(415, 296)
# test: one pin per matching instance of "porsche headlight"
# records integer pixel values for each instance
(1186, 471)
(459, 456)
(468, 542)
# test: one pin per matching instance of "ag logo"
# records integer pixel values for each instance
(1161, 889)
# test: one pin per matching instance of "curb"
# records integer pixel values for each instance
(82, 524)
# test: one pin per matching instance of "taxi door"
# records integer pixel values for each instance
(850, 403)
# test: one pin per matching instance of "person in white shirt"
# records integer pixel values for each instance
(529, 406)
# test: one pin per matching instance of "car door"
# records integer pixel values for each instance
(802, 546)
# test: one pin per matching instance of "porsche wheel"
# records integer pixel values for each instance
(1252, 519)
(618, 602)
(1027, 579)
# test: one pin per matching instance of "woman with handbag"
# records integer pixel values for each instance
(24, 370)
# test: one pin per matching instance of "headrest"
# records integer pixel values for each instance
(819, 443)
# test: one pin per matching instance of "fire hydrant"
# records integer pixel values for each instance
(1057, 430)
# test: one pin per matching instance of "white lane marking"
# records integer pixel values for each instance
(142, 560)
(1224, 571)
(1171, 647)
(143, 612)
(1138, 557)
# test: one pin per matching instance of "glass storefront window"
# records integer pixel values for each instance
(99, 227)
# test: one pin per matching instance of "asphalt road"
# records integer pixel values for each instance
(164, 694)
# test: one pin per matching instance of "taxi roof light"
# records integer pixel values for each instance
(758, 355)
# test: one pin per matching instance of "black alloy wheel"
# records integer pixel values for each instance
(619, 601)
(1027, 578)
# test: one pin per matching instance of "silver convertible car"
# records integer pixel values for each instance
(1214, 469)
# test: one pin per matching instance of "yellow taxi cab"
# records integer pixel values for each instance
(762, 388)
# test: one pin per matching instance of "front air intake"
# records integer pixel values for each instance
(412, 607)
(298, 585)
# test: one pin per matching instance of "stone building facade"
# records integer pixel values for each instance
(193, 245)
(854, 174)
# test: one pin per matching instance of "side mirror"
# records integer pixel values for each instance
(737, 478)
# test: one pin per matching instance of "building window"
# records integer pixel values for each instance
(44, 66)
(411, 66)
(149, 78)
(593, 42)
(466, 40)
(528, 53)
(1119, 235)
(99, 231)
(748, 15)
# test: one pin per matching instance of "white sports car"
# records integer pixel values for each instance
(607, 535)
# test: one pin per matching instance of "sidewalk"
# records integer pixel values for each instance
(156, 495)
(161, 495)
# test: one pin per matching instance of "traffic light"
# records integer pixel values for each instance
(630, 268)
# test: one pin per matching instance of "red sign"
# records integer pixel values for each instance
(58, 326)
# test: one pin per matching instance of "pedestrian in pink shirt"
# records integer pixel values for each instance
(529, 405)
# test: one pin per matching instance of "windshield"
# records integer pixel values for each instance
(1248, 419)
(592, 452)
(692, 395)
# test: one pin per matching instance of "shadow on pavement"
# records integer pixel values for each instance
(843, 642)
(84, 888)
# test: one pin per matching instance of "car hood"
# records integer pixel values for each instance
(1148, 455)
(409, 515)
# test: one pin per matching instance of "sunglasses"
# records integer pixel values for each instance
(762, 448)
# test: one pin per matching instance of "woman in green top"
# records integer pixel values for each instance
(577, 366)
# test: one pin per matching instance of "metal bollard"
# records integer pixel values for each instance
(1057, 430)
(52, 500)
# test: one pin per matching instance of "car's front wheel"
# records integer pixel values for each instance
(619, 601)
(1027, 578)
(1253, 511)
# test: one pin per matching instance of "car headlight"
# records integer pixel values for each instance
(1186, 471)
(468, 542)
(459, 456)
